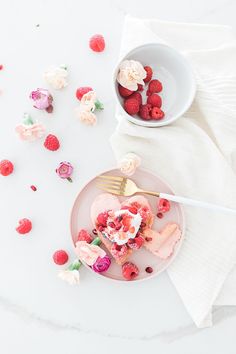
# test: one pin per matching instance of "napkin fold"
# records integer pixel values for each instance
(197, 156)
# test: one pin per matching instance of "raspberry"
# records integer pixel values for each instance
(144, 111)
(51, 143)
(163, 205)
(136, 243)
(1, 66)
(131, 105)
(157, 113)
(130, 271)
(140, 87)
(137, 96)
(82, 91)
(60, 257)
(24, 226)
(33, 188)
(148, 70)
(118, 251)
(83, 235)
(102, 219)
(124, 92)
(6, 167)
(154, 86)
(155, 100)
(160, 215)
(133, 209)
(149, 270)
(97, 43)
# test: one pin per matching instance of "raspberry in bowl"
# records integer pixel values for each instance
(162, 76)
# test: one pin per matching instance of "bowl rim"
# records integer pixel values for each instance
(155, 124)
(123, 281)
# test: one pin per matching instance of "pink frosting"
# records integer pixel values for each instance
(88, 253)
(101, 264)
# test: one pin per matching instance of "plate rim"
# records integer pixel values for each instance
(173, 257)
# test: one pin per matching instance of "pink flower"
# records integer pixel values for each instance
(101, 264)
(30, 132)
(42, 99)
(88, 253)
(86, 117)
(65, 170)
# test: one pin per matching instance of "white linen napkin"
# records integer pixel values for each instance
(197, 157)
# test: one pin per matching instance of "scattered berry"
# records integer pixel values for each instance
(136, 243)
(6, 167)
(154, 86)
(51, 143)
(149, 72)
(163, 205)
(60, 257)
(83, 235)
(160, 215)
(95, 232)
(149, 270)
(124, 92)
(130, 271)
(131, 106)
(144, 111)
(148, 239)
(118, 251)
(155, 100)
(82, 91)
(97, 43)
(137, 96)
(24, 226)
(157, 113)
(140, 87)
(33, 188)
(1, 66)
(102, 219)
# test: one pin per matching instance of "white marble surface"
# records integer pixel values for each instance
(38, 312)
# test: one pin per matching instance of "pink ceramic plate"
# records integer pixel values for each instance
(80, 218)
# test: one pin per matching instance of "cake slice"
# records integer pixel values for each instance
(162, 244)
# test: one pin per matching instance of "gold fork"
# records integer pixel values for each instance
(123, 186)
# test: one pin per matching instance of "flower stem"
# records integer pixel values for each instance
(69, 179)
(99, 105)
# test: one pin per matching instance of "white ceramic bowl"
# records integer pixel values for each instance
(175, 73)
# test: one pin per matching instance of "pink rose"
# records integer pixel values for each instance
(65, 170)
(101, 264)
(42, 99)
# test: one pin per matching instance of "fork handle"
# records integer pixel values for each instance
(194, 202)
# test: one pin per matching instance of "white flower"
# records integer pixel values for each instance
(86, 117)
(56, 77)
(129, 163)
(88, 100)
(131, 73)
(70, 276)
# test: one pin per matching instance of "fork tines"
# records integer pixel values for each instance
(112, 184)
